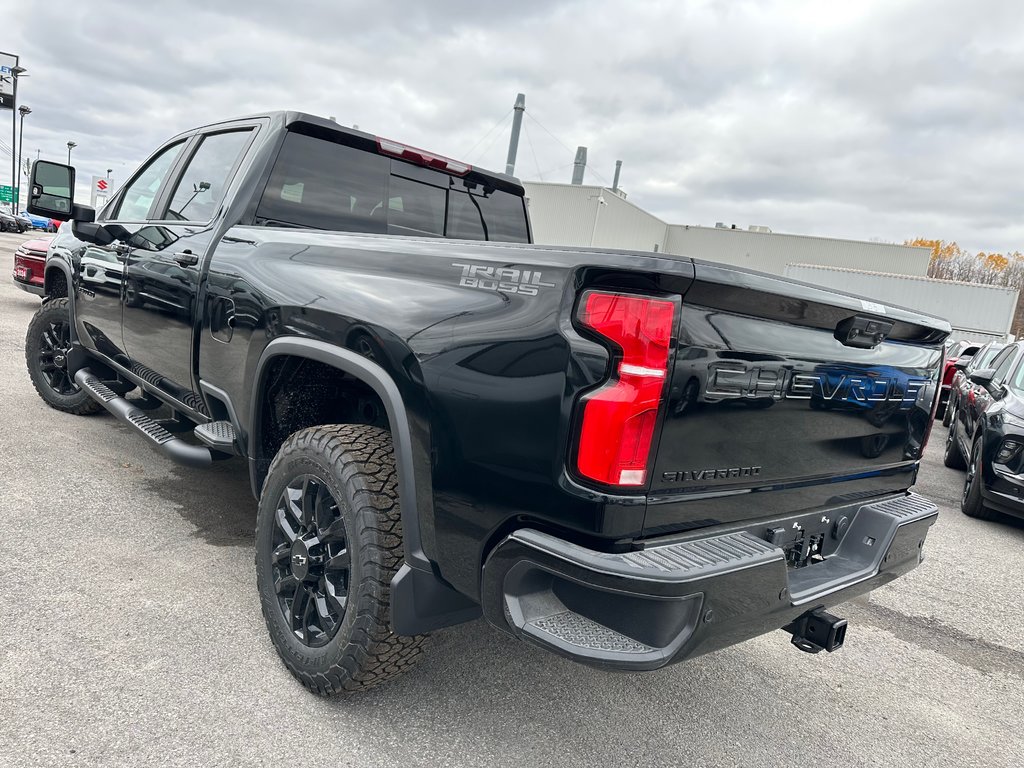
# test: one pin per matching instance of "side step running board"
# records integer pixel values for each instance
(158, 438)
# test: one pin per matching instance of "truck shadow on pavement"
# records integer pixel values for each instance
(217, 501)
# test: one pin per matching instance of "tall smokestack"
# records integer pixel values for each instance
(615, 181)
(580, 165)
(513, 140)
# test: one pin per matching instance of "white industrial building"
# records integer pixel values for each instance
(583, 215)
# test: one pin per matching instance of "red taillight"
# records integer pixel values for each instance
(619, 419)
(422, 157)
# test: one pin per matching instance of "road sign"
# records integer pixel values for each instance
(7, 194)
(8, 61)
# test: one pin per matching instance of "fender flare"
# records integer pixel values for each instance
(371, 374)
(59, 265)
(420, 599)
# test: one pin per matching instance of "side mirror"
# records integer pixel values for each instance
(961, 362)
(52, 193)
(983, 377)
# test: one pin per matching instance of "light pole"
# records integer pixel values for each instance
(22, 110)
(16, 72)
(71, 145)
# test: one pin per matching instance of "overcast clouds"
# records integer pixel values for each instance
(868, 120)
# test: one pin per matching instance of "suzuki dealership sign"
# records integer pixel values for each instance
(8, 61)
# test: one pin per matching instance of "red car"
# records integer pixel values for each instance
(960, 349)
(29, 260)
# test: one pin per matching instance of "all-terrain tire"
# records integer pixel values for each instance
(356, 463)
(972, 503)
(46, 343)
(952, 457)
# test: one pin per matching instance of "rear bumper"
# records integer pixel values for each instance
(673, 601)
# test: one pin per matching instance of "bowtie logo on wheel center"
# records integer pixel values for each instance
(304, 559)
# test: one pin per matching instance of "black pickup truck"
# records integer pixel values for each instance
(625, 458)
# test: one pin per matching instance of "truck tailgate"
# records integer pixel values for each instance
(782, 399)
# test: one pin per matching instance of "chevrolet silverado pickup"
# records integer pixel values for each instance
(625, 458)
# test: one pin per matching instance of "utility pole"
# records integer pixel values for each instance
(71, 145)
(23, 111)
(16, 72)
(513, 140)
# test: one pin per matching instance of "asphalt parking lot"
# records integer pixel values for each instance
(131, 635)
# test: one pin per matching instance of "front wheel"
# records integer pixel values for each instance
(953, 458)
(47, 346)
(972, 503)
(328, 543)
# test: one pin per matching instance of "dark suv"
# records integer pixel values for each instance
(987, 437)
(964, 366)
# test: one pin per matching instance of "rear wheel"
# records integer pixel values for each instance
(47, 346)
(953, 458)
(972, 504)
(947, 417)
(328, 543)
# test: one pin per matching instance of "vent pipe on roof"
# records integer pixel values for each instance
(615, 181)
(513, 140)
(579, 166)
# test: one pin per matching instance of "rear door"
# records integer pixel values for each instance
(769, 412)
(164, 265)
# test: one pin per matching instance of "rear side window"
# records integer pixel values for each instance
(203, 184)
(319, 184)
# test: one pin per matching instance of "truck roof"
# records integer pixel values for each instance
(286, 119)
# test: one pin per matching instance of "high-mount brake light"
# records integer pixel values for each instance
(422, 157)
(619, 418)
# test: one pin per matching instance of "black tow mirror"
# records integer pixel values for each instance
(99, 234)
(52, 193)
(983, 377)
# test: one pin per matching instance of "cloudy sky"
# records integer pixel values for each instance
(875, 119)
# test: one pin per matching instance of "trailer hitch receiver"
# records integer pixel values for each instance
(818, 630)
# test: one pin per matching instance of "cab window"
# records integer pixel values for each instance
(1002, 364)
(140, 193)
(204, 182)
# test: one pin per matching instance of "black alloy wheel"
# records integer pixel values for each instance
(952, 457)
(972, 503)
(312, 563)
(48, 348)
(328, 546)
(54, 348)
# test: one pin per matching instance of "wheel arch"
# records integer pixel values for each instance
(421, 600)
(55, 275)
(363, 370)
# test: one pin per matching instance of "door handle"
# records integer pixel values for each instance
(186, 258)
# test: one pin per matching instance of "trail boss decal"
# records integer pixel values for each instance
(527, 282)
